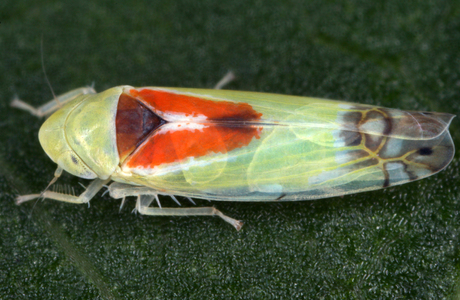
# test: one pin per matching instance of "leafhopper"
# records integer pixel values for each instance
(233, 146)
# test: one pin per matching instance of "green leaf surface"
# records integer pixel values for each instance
(400, 242)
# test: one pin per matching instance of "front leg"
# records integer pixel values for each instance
(146, 195)
(87, 195)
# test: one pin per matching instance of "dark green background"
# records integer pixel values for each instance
(400, 242)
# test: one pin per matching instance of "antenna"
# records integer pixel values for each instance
(44, 70)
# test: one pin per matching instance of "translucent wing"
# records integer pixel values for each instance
(290, 148)
(331, 114)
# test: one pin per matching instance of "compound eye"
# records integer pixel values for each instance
(71, 163)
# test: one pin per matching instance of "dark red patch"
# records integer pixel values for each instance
(226, 128)
(133, 123)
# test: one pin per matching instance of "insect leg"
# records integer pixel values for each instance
(229, 77)
(145, 197)
(89, 193)
(186, 211)
(54, 104)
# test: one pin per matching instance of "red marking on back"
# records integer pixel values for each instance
(173, 146)
(226, 128)
(164, 102)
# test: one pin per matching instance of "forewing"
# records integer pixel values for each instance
(330, 114)
(290, 148)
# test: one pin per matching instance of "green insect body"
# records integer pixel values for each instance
(235, 146)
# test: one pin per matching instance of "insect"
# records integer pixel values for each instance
(233, 146)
